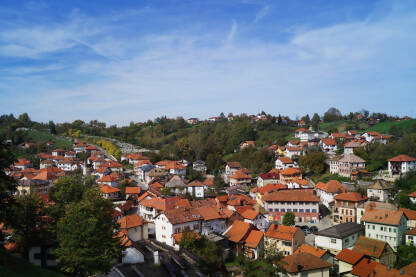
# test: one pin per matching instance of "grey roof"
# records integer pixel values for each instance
(147, 167)
(342, 230)
(380, 184)
(175, 182)
(351, 158)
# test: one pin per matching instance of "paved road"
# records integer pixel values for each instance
(322, 224)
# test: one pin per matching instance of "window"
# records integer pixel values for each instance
(301, 210)
(374, 227)
(314, 210)
(282, 210)
(368, 226)
(395, 230)
(347, 240)
(381, 228)
(389, 229)
(333, 240)
(308, 210)
(295, 210)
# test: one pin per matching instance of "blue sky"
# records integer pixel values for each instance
(122, 61)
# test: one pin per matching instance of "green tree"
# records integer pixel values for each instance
(26, 221)
(219, 183)
(6, 183)
(52, 127)
(313, 161)
(289, 219)
(333, 114)
(315, 121)
(87, 244)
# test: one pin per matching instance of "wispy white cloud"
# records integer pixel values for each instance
(233, 31)
(262, 13)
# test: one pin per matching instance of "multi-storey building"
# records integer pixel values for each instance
(345, 207)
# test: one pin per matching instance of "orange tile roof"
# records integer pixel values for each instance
(234, 164)
(411, 232)
(382, 216)
(349, 256)
(383, 271)
(209, 213)
(130, 221)
(109, 189)
(143, 196)
(364, 268)
(108, 178)
(133, 190)
(410, 214)
(238, 231)
(285, 160)
(413, 194)
(254, 238)
(295, 195)
(332, 186)
(410, 269)
(305, 248)
(370, 247)
(303, 262)
(281, 232)
(209, 182)
(270, 188)
(250, 214)
(182, 215)
(402, 158)
(328, 141)
(290, 171)
(302, 130)
(196, 183)
(351, 197)
(239, 175)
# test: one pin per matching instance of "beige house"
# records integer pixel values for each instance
(379, 191)
(374, 205)
(350, 163)
(135, 226)
(345, 207)
(347, 259)
(283, 238)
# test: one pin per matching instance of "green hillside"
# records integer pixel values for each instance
(39, 136)
(383, 127)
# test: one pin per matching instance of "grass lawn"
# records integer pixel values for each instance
(383, 127)
(39, 136)
(11, 266)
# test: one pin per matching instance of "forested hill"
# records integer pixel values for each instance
(215, 142)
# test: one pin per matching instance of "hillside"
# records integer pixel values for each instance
(384, 127)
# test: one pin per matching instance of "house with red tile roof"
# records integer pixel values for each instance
(287, 175)
(411, 217)
(302, 202)
(286, 239)
(267, 178)
(345, 207)
(347, 259)
(401, 164)
(247, 143)
(135, 226)
(322, 254)
(305, 264)
(174, 221)
(109, 180)
(132, 192)
(239, 178)
(110, 192)
(377, 250)
(254, 217)
(385, 225)
(231, 168)
(327, 191)
(284, 162)
(22, 164)
(328, 145)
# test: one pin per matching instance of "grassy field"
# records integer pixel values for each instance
(11, 266)
(39, 136)
(340, 125)
(383, 127)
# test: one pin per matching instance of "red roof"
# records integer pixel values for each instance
(349, 256)
(133, 190)
(281, 232)
(130, 221)
(109, 189)
(351, 196)
(238, 231)
(254, 238)
(402, 158)
(290, 171)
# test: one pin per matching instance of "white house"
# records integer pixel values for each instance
(176, 221)
(338, 237)
(285, 162)
(255, 218)
(293, 151)
(385, 225)
(328, 145)
(370, 136)
(401, 164)
(68, 165)
(412, 197)
(213, 221)
(231, 168)
(196, 188)
(327, 191)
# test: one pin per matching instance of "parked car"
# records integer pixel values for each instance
(305, 229)
(313, 229)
